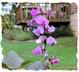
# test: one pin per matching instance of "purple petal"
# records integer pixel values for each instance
(38, 41)
(50, 40)
(41, 39)
(36, 32)
(33, 22)
(55, 61)
(40, 29)
(41, 20)
(43, 10)
(51, 29)
(49, 13)
(38, 50)
(35, 12)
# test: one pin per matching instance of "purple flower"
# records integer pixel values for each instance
(36, 32)
(39, 30)
(51, 40)
(49, 13)
(41, 39)
(43, 11)
(54, 61)
(38, 50)
(49, 29)
(35, 12)
(41, 20)
(33, 22)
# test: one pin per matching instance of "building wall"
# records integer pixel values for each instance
(74, 19)
(74, 24)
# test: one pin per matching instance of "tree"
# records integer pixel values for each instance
(8, 19)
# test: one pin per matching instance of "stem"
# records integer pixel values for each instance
(46, 57)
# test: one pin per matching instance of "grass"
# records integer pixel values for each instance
(65, 50)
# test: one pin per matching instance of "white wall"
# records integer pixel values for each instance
(74, 24)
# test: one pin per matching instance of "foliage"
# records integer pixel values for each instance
(63, 31)
(22, 35)
(8, 20)
(18, 34)
(9, 34)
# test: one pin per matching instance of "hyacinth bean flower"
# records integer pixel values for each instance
(41, 39)
(55, 61)
(43, 11)
(41, 20)
(51, 40)
(39, 30)
(49, 29)
(35, 12)
(49, 13)
(33, 22)
(38, 50)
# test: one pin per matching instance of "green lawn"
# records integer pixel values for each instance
(65, 50)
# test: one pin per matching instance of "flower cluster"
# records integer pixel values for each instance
(38, 50)
(41, 28)
(54, 60)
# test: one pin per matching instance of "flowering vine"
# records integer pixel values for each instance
(40, 27)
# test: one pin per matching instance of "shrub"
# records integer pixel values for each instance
(9, 34)
(18, 34)
(63, 31)
(21, 36)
